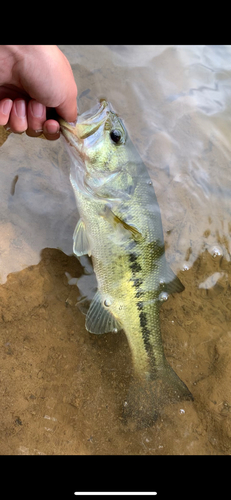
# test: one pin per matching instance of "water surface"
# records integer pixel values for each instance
(63, 388)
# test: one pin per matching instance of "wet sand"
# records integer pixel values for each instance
(63, 389)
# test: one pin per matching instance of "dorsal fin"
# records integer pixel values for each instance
(172, 282)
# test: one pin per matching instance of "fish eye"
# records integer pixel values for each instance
(115, 135)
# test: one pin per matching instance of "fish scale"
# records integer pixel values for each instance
(120, 227)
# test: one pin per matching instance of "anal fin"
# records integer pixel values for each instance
(99, 318)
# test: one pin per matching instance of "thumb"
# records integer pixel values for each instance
(68, 109)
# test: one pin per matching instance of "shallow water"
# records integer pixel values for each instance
(62, 388)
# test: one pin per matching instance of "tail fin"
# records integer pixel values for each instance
(146, 398)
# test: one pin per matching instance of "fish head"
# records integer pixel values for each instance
(97, 140)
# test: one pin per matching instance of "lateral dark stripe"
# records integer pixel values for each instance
(143, 319)
(132, 257)
(135, 267)
(146, 335)
(137, 282)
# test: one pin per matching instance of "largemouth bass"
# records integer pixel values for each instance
(120, 227)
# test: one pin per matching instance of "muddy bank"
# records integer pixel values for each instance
(63, 389)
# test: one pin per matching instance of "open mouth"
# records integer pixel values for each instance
(88, 123)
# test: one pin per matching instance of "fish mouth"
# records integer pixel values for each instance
(88, 123)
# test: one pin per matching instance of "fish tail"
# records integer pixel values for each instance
(146, 398)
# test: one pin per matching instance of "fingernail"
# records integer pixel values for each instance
(20, 107)
(37, 109)
(52, 128)
(6, 106)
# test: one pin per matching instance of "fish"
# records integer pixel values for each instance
(120, 228)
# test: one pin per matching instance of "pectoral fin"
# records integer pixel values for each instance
(99, 319)
(115, 219)
(80, 240)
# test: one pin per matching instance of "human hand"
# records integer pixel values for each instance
(32, 79)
